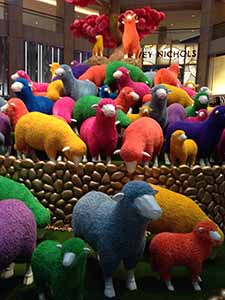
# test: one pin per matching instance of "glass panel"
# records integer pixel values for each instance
(191, 54)
(217, 75)
(190, 73)
(164, 54)
(177, 54)
(3, 66)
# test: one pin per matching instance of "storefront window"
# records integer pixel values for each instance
(216, 79)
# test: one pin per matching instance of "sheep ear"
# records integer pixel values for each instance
(68, 259)
(86, 250)
(12, 104)
(217, 112)
(118, 197)
(66, 149)
(58, 245)
(116, 152)
(201, 229)
(94, 106)
(123, 22)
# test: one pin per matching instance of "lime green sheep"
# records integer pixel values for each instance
(136, 73)
(83, 110)
(10, 189)
(61, 268)
(201, 101)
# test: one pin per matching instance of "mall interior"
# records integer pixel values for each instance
(112, 182)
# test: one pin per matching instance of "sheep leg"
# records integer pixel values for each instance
(28, 278)
(20, 155)
(8, 272)
(41, 296)
(196, 285)
(99, 157)
(134, 56)
(156, 162)
(8, 150)
(166, 158)
(131, 282)
(199, 279)
(207, 161)
(109, 288)
(125, 56)
(169, 285)
(85, 159)
(201, 162)
(108, 159)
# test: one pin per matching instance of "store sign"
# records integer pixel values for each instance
(166, 54)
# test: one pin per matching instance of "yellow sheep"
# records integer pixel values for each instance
(178, 95)
(144, 111)
(54, 66)
(182, 149)
(55, 90)
(42, 132)
(180, 213)
(98, 47)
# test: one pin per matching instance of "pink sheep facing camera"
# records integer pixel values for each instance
(99, 132)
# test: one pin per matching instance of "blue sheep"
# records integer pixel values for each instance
(22, 89)
(18, 237)
(116, 229)
(105, 92)
(206, 134)
(158, 105)
(73, 87)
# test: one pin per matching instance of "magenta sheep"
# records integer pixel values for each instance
(64, 108)
(36, 86)
(202, 115)
(183, 249)
(99, 132)
(142, 141)
(189, 91)
(176, 112)
(123, 79)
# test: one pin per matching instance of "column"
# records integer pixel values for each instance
(162, 35)
(206, 28)
(15, 36)
(66, 11)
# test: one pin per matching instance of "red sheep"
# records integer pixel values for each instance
(95, 74)
(142, 141)
(183, 249)
(167, 75)
(131, 39)
(126, 99)
(202, 115)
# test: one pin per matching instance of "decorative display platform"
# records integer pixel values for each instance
(59, 186)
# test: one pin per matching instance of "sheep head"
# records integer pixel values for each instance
(106, 108)
(207, 231)
(75, 151)
(129, 94)
(121, 74)
(63, 70)
(130, 17)
(178, 136)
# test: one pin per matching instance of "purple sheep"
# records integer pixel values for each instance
(64, 108)
(18, 237)
(206, 134)
(5, 131)
(221, 147)
(78, 69)
(100, 133)
(176, 112)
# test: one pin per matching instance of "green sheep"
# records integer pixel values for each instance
(10, 189)
(83, 110)
(136, 73)
(201, 101)
(61, 268)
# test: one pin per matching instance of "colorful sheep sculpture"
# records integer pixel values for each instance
(46, 133)
(104, 91)
(78, 69)
(18, 237)
(144, 111)
(14, 109)
(142, 141)
(178, 95)
(5, 134)
(12, 189)
(73, 87)
(158, 105)
(115, 228)
(201, 101)
(23, 91)
(96, 74)
(55, 90)
(127, 99)
(167, 75)
(182, 149)
(176, 112)
(60, 268)
(206, 134)
(64, 108)
(183, 249)
(201, 115)
(99, 132)
(180, 213)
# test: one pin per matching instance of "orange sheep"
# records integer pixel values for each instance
(95, 74)
(98, 48)
(131, 39)
(167, 75)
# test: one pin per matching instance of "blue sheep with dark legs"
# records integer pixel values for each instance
(115, 228)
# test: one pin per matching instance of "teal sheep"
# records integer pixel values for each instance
(60, 267)
(136, 73)
(83, 110)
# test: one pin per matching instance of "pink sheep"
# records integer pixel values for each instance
(36, 86)
(183, 249)
(64, 108)
(123, 79)
(142, 141)
(202, 115)
(99, 132)
(126, 99)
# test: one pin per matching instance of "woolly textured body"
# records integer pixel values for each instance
(64, 108)
(145, 134)
(5, 128)
(55, 90)
(176, 112)
(18, 232)
(206, 134)
(180, 213)
(178, 96)
(95, 74)
(42, 132)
